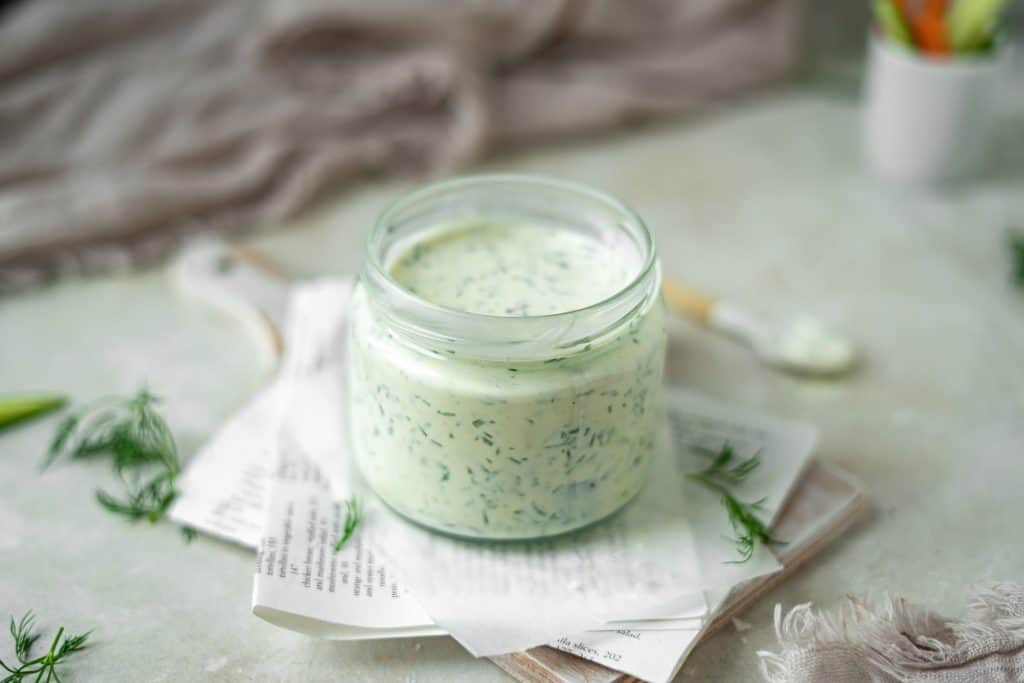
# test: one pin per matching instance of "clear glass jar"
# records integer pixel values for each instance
(500, 427)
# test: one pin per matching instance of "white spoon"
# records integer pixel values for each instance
(802, 345)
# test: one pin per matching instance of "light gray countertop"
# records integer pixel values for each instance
(766, 204)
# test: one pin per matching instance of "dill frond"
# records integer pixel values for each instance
(353, 515)
(724, 471)
(140, 446)
(44, 667)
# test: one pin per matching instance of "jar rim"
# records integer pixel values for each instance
(431, 322)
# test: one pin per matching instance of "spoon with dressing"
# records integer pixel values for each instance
(801, 346)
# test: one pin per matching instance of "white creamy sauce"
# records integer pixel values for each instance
(511, 270)
(511, 449)
(809, 345)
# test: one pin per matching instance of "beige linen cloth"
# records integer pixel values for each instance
(127, 125)
(899, 641)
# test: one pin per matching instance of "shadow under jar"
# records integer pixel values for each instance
(506, 353)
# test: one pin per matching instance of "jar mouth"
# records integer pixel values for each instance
(448, 330)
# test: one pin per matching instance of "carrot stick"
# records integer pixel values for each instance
(930, 33)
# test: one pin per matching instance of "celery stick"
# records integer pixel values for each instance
(972, 23)
(891, 23)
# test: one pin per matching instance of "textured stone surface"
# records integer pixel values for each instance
(767, 204)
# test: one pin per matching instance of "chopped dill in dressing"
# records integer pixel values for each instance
(511, 270)
(517, 449)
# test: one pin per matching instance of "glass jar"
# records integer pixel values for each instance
(501, 427)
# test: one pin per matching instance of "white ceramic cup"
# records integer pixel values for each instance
(928, 121)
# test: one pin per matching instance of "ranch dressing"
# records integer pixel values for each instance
(509, 270)
(506, 450)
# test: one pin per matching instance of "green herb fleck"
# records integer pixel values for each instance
(723, 472)
(44, 667)
(353, 515)
(141, 448)
(1017, 248)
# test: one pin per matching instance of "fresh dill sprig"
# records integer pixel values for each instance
(23, 636)
(747, 527)
(44, 667)
(353, 515)
(723, 472)
(140, 445)
(722, 469)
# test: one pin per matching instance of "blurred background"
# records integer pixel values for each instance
(130, 126)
